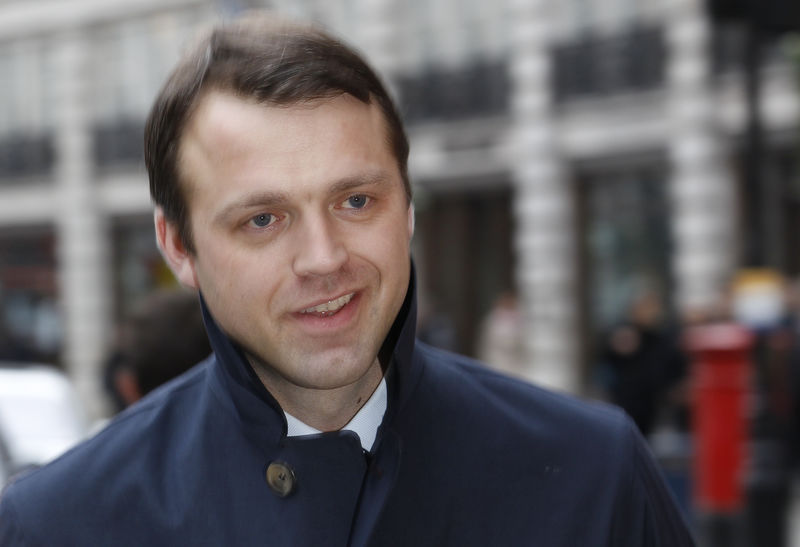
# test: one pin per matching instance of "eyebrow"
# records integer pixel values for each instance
(376, 178)
(256, 199)
(271, 199)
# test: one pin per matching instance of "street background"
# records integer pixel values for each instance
(596, 182)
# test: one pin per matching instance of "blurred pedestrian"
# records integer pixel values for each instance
(501, 342)
(278, 164)
(163, 338)
(645, 365)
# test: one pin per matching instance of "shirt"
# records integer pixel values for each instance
(364, 424)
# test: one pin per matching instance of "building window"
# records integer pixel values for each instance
(626, 251)
(30, 325)
(25, 96)
(24, 156)
(130, 60)
(26, 141)
(592, 66)
(118, 143)
(478, 89)
(459, 255)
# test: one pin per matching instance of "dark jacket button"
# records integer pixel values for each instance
(280, 478)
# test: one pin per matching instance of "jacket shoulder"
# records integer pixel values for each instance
(470, 386)
(530, 430)
(542, 455)
(105, 466)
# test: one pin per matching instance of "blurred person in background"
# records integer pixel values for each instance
(278, 165)
(501, 339)
(163, 338)
(645, 367)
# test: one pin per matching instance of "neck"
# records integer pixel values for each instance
(325, 409)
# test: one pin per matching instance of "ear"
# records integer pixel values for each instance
(410, 221)
(178, 258)
(127, 386)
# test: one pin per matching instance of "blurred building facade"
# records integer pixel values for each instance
(569, 152)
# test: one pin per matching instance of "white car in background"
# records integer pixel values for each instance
(40, 417)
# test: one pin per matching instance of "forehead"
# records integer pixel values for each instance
(222, 116)
(229, 138)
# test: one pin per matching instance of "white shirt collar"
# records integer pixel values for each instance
(364, 424)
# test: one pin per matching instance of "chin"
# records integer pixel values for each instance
(341, 371)
(315, 369)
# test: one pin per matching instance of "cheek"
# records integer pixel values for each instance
(390, 255)
(222, 271)
(239, 298)
(382, 246)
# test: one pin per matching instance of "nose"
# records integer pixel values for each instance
(320, 250)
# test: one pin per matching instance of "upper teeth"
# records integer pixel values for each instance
(330, 305)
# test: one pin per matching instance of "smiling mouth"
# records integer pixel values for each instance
(329, 308)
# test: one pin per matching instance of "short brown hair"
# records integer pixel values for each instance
(275, 62)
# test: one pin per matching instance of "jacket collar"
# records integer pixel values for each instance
(242, 392)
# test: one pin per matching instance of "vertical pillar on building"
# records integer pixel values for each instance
(82, 234)
(702, 188)
(544, 208)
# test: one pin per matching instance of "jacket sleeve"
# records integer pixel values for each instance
(647, 513)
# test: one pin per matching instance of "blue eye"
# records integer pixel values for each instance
(263, 220)
(357, 201)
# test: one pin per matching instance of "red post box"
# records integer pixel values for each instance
(720, 395)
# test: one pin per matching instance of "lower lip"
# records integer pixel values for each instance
(338, 320)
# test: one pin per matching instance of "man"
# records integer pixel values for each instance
(277, 163)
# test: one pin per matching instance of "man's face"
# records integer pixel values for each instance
(301, 229)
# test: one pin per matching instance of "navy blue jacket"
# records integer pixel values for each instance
(464, 456)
